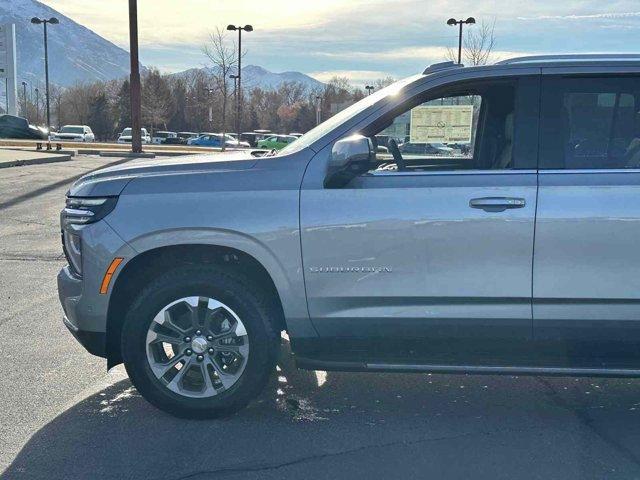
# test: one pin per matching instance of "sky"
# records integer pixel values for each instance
(362, 40)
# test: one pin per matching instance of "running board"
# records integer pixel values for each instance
(330, 365)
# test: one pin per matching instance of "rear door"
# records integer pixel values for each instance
(432, 256)
(586, 277)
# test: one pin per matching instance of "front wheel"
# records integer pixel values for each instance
(198, 342)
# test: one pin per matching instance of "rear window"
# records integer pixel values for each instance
(68, 129)
(590, 123)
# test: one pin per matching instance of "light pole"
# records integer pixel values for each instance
(134, 79)
(452, 22)
(37, 106)
(44, 21)
(318, 109)
(24, 98)
(369, 89)
(240, 29)
(236, 78)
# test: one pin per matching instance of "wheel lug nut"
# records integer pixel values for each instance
(211, 350)
(188, 352)
(198, 332)
(210, 338)
(200, 358)
(187, 339)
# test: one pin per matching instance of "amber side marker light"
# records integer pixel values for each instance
(109, 274)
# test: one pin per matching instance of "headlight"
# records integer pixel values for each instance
(80, 211)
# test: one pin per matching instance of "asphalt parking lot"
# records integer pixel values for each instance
(63, 416)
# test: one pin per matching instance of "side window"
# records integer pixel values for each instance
(465, 128)
(590, 123)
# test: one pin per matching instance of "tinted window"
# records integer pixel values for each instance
(471, 127)
(590, 123)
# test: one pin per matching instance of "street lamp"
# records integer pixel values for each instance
(24, 98)
(37, 106)
(318, 109)
(45, 21)
(240, 29)
(369, 89)
(453, 22)
(236, 78)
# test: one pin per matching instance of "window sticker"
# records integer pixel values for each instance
(441, 124)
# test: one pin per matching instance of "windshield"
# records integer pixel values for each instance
(69, 129)
(126, 131)
(325, 127)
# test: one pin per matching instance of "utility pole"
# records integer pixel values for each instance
(452, 22)
(240, 29)
(134, 79)
(45, 21)
(369, 89)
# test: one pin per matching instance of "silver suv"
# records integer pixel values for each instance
(515, 254)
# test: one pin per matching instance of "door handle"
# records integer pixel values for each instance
(496, 204)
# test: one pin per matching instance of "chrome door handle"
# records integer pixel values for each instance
(496, 204)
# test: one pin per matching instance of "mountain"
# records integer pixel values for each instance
(76, 54)
(255, 76)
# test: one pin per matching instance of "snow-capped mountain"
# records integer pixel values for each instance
(76, 53)
(255, 76)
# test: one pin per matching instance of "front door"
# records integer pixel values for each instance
(430, 253)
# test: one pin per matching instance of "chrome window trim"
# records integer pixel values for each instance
(449, 172)
(588, 170)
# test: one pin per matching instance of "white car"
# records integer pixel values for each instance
(74, 133)
(161, 136)
(125, 136)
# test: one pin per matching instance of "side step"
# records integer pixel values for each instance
(330, 365)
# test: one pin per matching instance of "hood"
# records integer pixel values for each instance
(112, 180)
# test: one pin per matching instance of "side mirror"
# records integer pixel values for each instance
(350, 157)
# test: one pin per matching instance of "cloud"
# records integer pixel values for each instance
(594, 16)
(355, 76)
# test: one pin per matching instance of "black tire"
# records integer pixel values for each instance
(232, 289)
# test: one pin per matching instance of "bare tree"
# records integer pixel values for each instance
(223, 55)
(157, 100)
(479, 42)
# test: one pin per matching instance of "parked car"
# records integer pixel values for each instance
(125, 136)
(19, 128)
(74, 133)
(215, 140)
(252, 138)
(181, 138)
(426, 148)
(522, 259)
(162, 136)
(276, 142)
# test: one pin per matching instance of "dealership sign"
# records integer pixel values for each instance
(8, 65)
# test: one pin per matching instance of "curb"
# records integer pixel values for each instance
(54, 158)
(128, 154)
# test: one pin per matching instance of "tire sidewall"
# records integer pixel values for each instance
(206, 282)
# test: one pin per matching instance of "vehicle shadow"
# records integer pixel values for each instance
(319, 425)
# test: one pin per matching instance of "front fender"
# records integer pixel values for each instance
(290, 290)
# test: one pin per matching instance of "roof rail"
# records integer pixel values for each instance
(441, 66)
(574, 56)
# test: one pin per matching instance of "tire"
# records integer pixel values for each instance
(240, 297)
